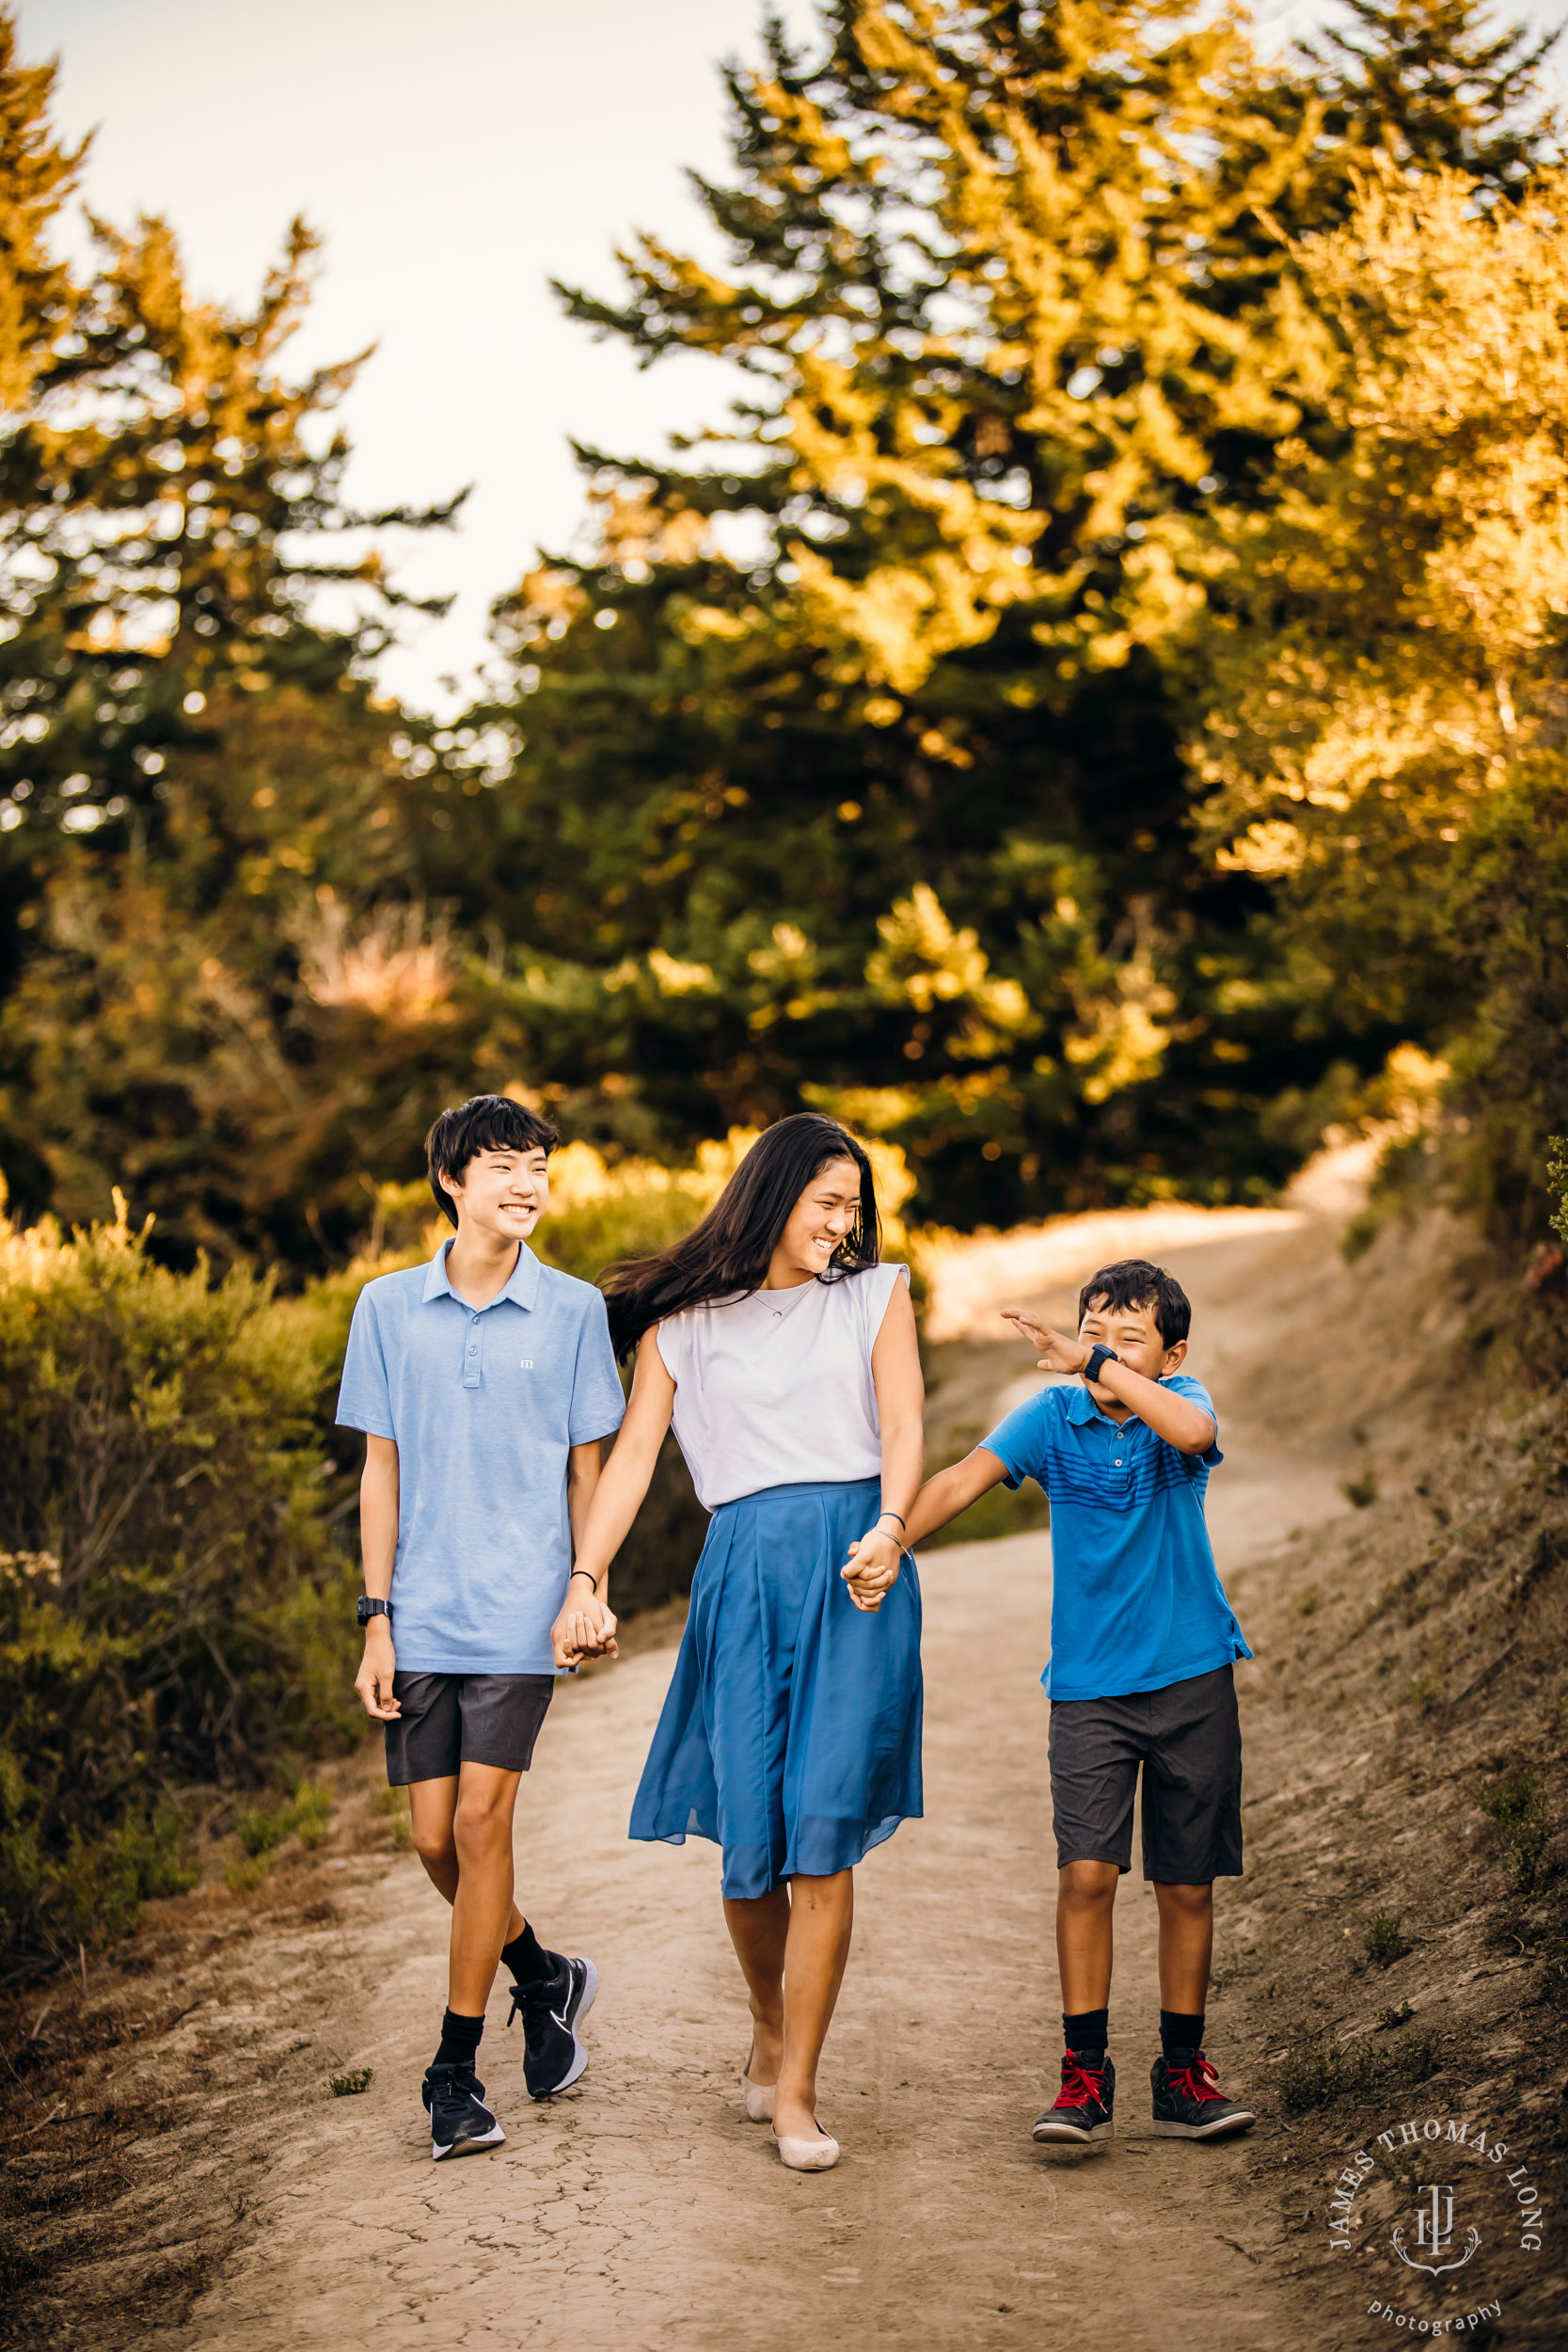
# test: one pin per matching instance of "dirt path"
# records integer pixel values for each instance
(642, 2210)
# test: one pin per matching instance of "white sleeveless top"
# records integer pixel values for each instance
(774, 1389)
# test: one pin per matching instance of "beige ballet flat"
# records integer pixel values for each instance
(759, 2096)
(808, 2156)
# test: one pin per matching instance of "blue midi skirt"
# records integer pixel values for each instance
(791, 1729)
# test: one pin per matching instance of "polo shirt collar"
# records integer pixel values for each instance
(522, 1287)
(1082, 1409)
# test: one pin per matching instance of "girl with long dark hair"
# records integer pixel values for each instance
(786, 1355)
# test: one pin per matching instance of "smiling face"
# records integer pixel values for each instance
(501, 1195)
(1132, 1334)
(821, 1218)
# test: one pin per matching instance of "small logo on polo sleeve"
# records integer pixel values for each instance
(528, 1363)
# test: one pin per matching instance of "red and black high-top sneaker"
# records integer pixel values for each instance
(1189, 2103)
(1084, 2105)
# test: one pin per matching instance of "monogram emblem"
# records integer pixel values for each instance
(1434, 2234)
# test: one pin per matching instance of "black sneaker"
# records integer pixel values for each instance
(552, 2008)
(1083, 2108)
(1189, 2103)
(460, 2123)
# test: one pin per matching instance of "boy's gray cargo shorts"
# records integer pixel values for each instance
(1188, 1739)
(452, 1720)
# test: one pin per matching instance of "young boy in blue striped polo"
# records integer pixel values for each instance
(1143, 1645)
(485, 1383)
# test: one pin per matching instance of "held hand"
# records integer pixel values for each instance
(871, 1571)
(373, 1681)
(584, 1629)
(1059, 1351)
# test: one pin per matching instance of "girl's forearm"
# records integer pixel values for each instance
(903, 1459)
(617, 1499)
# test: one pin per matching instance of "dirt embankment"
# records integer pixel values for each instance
(1391, 1519)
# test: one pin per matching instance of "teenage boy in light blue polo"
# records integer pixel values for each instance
(1143, 1643)
(486, 1384)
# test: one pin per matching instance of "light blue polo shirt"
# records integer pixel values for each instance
(1136, 1600)
(483, 1405)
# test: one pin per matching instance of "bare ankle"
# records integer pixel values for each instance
(794, 2116)
(766, 2048)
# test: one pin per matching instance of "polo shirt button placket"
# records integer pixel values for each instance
(471, 1360)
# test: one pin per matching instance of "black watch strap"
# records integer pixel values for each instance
(365, 1609)
(1098, 1357)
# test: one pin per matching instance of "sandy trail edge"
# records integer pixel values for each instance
(642, 2210)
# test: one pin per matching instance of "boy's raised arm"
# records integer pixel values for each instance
(1177, 1419)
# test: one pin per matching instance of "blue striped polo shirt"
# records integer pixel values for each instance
(1136, 1600)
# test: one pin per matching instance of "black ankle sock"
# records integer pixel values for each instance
(1089, 2032)
(526, 1958)
(459, 2040)
(1179, 2032)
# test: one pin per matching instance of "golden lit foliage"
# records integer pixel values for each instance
(1396, 608)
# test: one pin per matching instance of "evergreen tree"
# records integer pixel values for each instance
(1384, 739)
(186, 755)
(863, 728)
(162, 516)
(1438, 84)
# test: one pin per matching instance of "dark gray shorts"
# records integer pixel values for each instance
(1188, 1739)
(452, 1720)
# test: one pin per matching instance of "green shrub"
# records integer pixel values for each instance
(1517, 1803)
(261, 1828)
(1383, 1942)
(1414, 2059)
(173, 1607)
(1318, 2072)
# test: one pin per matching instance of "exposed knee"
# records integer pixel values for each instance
(481, 1827)
(1088, 1884)
(1188, 1903)
(434, 1847)
(821, 1894)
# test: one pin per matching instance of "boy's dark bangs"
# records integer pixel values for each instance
(1138, 1282)
(486, 1122)
(499, 1124)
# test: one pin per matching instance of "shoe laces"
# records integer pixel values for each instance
(1082, 2086)
(535, 2000)
(1196, 2079)
(453, 2079)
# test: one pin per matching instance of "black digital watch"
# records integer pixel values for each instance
(1098, 1355)
(365, 1609)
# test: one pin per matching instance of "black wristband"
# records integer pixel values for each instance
(592, 1579)
(1098, 1357)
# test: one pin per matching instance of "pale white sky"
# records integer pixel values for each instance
(457, 154)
